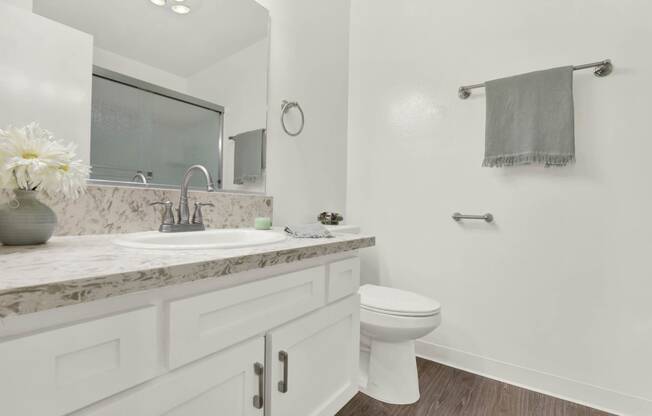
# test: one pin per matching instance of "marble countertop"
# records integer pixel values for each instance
(77, 269)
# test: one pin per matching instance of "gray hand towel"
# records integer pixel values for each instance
(249, 156)
(530, 119)
(316, 230)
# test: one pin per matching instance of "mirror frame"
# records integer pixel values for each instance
(110, 75)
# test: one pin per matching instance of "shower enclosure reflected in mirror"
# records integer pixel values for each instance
(201, 98)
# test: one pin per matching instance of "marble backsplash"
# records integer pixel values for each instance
(113, 209)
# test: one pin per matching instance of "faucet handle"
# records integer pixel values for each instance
(168, 216)
(197, 217)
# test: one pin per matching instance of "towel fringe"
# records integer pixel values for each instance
(528, 159)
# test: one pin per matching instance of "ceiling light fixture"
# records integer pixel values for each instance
(158, 2)
(180, 9)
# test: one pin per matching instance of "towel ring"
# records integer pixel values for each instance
(285, 107)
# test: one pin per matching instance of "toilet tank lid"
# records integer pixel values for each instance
(396, 301)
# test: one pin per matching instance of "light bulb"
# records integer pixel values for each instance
(180, 9)
(158, 2)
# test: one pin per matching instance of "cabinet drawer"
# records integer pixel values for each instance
(343, 278)
(55, 372)
(207, 323)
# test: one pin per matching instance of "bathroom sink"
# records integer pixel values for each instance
(197, 240)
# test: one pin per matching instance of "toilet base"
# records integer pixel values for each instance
(388, 372)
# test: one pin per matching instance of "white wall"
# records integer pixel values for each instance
(309, 63)
(46, 76)
(131, 67)
(556, 295)
(239, 83)
(24, 4)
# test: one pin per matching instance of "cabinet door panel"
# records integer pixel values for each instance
(219, 398)
(222, 384)
(322, 361)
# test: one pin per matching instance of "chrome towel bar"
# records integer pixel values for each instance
(602, 69)
(487, 217)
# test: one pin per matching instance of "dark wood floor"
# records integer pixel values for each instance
(446, 391)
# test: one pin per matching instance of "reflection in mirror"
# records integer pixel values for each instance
(171, 90)
(136, 125)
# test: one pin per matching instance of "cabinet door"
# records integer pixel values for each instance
(223, 384)
(313, 361)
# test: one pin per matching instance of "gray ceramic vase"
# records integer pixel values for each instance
(25, 220)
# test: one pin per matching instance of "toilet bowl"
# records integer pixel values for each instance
(390, 321)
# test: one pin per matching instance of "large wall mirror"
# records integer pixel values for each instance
(175, 83)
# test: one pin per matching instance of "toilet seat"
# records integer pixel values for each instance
(396, 302)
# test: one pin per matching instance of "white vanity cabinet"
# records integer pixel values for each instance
(285, 343)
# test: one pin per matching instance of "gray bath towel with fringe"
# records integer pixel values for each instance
(530, 119)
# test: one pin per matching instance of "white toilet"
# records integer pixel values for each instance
(390, 321)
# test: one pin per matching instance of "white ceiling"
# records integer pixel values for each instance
(182, 45)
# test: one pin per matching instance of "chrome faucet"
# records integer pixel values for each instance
(184, 210)
(140, 176)
(184, 224)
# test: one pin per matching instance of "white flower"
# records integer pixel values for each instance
(68, 179)
(32, 159)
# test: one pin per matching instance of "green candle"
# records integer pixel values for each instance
(263, 223)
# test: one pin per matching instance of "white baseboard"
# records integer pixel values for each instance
(563, 388)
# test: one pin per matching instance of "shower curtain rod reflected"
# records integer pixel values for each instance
(602, 69)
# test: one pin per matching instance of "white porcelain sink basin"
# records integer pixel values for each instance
(198, 240)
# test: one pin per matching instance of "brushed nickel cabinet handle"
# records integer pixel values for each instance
(283, 384)
(487, 217)
(259, 370)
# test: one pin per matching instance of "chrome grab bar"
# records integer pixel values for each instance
(487, 217)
